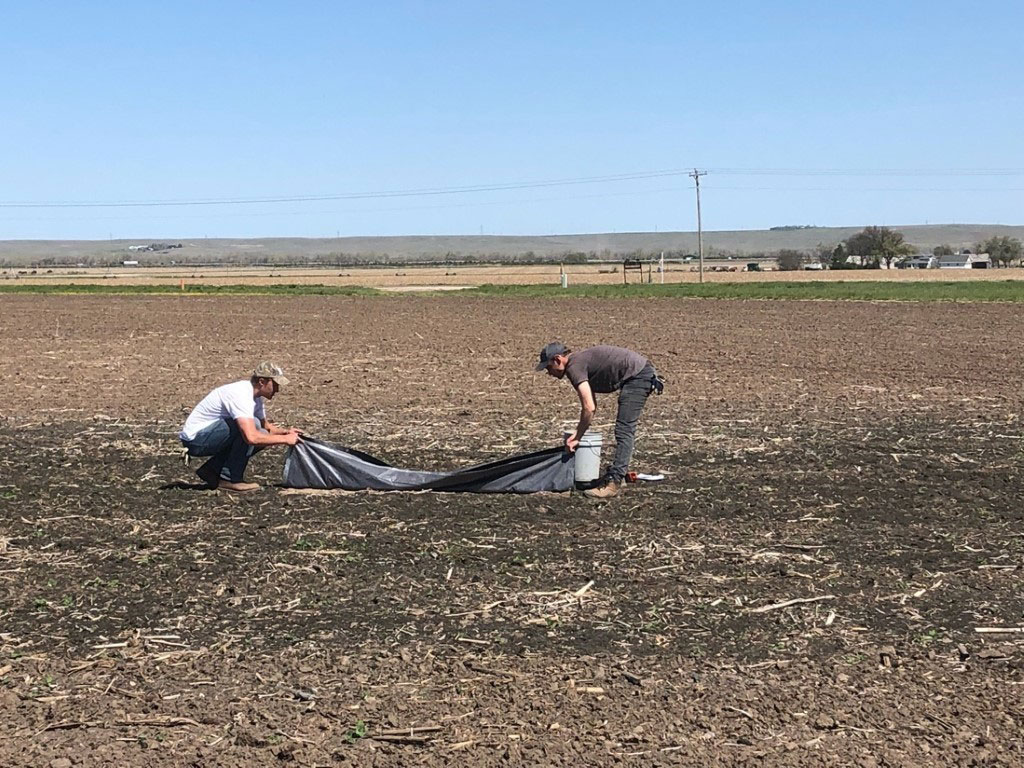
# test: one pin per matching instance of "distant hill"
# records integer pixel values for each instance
(353, 250)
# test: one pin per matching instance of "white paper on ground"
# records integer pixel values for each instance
(649, 478)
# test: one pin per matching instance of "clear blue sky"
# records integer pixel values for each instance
(119, 101)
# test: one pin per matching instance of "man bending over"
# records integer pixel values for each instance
(230, 425)
(605, 369)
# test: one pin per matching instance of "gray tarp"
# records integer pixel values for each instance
(316, 464)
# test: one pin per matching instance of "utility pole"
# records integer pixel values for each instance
(700, 237)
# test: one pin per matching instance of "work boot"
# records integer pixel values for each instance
(227, 485)
(606, 491)
(209, 475)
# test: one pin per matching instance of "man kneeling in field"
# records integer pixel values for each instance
(230, 425)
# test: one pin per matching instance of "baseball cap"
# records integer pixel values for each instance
(267, 370)
(549, 351)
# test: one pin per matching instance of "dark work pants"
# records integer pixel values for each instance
(229, 452)
(632, 396)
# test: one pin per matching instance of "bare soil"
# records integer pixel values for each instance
(842, 512)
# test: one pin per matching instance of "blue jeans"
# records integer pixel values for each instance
(230, 454)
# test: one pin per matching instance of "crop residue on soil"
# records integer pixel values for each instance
(842, 513)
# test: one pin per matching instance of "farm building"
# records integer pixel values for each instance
(861, 261)
(965, 261)
(921, 261)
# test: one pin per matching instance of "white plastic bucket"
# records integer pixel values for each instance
(588, 456)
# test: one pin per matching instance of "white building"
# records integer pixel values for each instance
(965, 261)
(922, 261)
(860, 261)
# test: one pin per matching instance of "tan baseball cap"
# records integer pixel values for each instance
(267, 370)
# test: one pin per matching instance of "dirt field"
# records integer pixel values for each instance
(413, 278)
(843, 510)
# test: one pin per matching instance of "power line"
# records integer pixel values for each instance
(849, 188)
(336, 211)
(503, 186)
(895, 172)
(351, 195)
(713, 187)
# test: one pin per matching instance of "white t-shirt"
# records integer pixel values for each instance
(231, 401)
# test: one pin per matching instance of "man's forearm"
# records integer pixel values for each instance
(585, 418)
(266, 438)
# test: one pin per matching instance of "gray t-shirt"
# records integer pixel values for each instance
(604, 366)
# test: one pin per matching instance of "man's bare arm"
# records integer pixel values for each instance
(587, 409)
(274, 429)
(254, 436)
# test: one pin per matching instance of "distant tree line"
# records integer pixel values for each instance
(875, 247)
(1003, 250)
(872, 248)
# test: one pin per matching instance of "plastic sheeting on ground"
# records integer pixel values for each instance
(313, 463)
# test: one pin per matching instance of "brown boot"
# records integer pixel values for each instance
(227, 485)
(606, 491)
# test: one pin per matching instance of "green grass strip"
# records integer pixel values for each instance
(969, 291)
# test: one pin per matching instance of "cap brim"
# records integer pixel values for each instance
(281, 381)
(541, 366)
